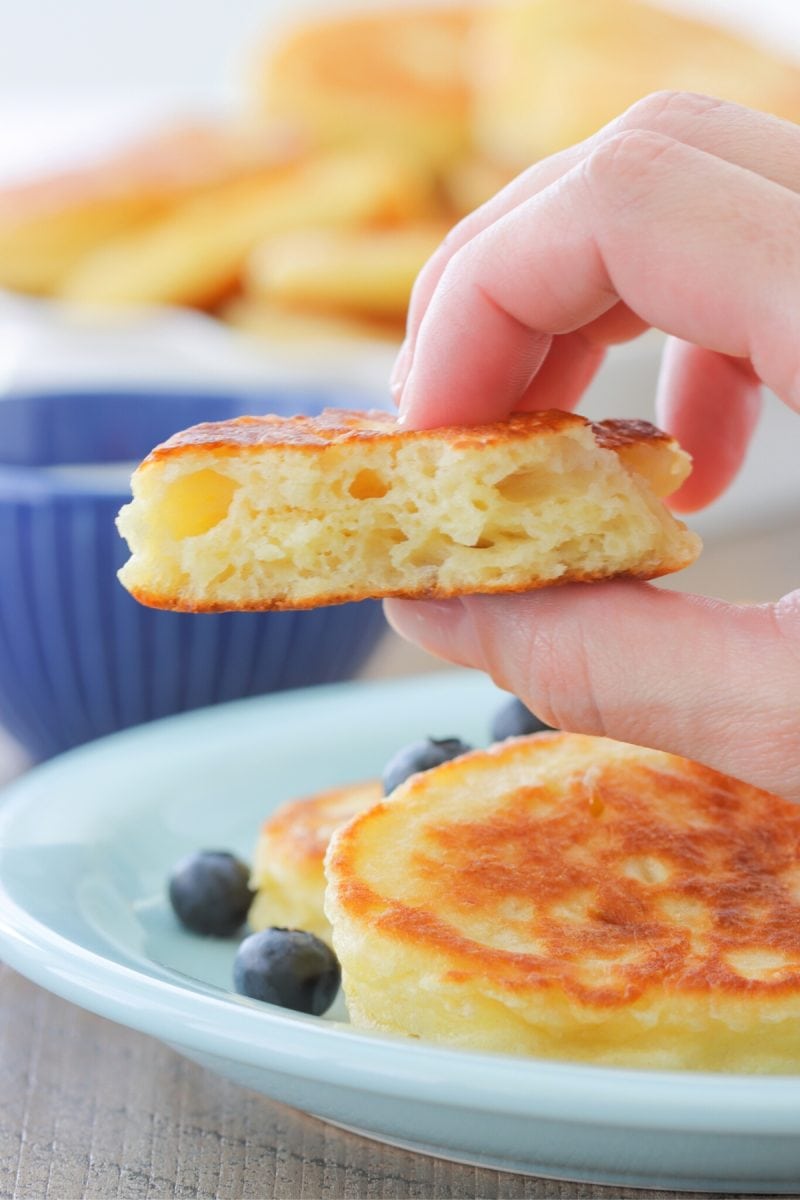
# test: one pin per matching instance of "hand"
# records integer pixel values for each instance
(683, 214)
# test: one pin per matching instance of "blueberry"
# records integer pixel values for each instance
(288, 967)
(209, 892)
(420, 756)
(513, 719)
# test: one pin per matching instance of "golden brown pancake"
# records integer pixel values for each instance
(288, 874)
(271, 512)
(576, 898)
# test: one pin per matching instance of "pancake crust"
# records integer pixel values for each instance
(577, 898)
(288, 874)
(270, 512)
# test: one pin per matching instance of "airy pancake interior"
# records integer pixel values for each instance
(270, 512)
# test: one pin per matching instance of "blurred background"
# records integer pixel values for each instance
(233, 200)
(199, 49)
(61, 64)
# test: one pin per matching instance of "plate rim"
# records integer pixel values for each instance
(331, 1052)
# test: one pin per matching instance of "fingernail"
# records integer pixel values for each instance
(405, 399)
(400, 372)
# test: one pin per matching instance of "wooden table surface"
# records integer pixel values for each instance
(93, 1111)
(90, 1110)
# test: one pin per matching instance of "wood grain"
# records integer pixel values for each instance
(93, 1111)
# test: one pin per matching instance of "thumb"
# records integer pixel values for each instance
(710, 681)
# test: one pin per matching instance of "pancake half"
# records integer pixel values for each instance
(576, 898)
(271, 512)
(288, 874)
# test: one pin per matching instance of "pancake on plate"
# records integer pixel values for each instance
(576, 898)
(287, 874)
(271, 512)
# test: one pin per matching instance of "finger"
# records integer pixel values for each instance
(617, 325)
(723, 687)
(555, 372)
(669, 230)
(758, 142)
(572, 362)
(529, 183)
(570, 366)
(711, 404)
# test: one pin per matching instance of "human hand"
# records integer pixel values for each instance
(684, 214)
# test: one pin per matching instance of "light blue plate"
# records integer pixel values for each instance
(86, 843)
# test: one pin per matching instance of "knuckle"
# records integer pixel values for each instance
(458, 235)
(454, 269)
(620, 167)
(440, 266)
(669, 111)
(480, 259)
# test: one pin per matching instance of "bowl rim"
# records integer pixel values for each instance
(29, 481)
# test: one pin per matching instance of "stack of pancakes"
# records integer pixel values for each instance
(364, 137)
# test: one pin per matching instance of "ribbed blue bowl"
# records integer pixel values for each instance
(78, 657)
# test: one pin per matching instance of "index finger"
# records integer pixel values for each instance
(699, 247)
(754, 140)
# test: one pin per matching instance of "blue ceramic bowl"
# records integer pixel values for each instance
(78, 657)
